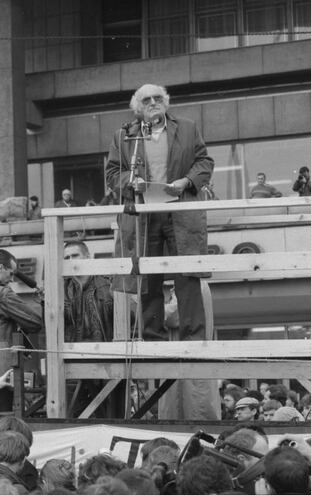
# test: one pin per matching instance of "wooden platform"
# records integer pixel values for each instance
(206, 359)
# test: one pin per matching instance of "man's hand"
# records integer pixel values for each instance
(4, 379)
(177, 187)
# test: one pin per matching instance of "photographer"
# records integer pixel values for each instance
(303, 185)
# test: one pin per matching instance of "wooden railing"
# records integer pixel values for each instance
(200, 359)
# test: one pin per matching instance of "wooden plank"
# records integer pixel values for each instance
(153, 398)
(259, 265)
(266, 220)
(306, 384)
(231, 204)
(189, 350)
(54, 317)
(208, 309)
(300, 262)
(121, 316)
(100, 266)
(100, 397)
(186, 370)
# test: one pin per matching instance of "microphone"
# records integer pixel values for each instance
(27, 280)
(126, 126)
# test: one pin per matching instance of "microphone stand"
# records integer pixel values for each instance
(134, 176)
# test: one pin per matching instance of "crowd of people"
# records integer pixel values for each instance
(237, 461)
(269, 403)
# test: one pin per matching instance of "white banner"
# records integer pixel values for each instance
(80, 443)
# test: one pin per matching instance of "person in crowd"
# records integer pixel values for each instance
(305, 406)
(149, 446)
(66, 201)
(97, 466)
(7, 488)
(57, 473)
(162, 454)
(263, 388)
(107, 485)
(28, 474)
(286, 472)
(34, 212)
(292, 399)
(14, 448)
(246, 409)
(264, 190)
(203, 475)
(231, 396)
(111, 198)
(286, 413)
(269, 408)
(14, 314)
(175, 155)
(138, 481)
(88, 302)
(246, 438)
(249, 439)
(278, 392)
(302, 184)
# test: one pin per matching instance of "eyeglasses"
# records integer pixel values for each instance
(156, 98)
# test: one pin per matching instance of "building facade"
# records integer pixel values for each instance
(240, 68)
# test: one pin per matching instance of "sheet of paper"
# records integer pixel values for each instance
(156, 193)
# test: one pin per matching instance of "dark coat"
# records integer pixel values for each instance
(103, 303)
(187, 157)
(15, 312)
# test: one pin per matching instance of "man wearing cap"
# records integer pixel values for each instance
(247, 409)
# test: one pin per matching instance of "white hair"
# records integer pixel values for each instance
(136, 100)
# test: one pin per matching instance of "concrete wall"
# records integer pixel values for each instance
(265, 116)
(13, 179)
(221, 65)
(219, 121)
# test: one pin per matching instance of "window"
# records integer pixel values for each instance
(302, 19)
(229, 174)
(168, 27)
(216, 24)
(84, 176)
(122, 25)
(263, 17)
(236, 165)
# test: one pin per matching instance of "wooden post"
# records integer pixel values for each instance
(54, 317)
(18, 370)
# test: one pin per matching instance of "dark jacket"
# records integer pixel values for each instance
(303, 188)
(61, 203)
(76, 318)
(187, 157)
(15, 312)
(6, 473)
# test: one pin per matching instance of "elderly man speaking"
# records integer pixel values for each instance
(174, 154)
